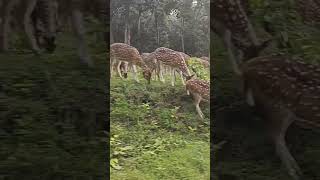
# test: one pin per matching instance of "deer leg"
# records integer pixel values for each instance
(118, 69)
(281, 148)
(197, 100)
(126, 69)
(161, 69)
(157, 73)
(28, 27)
(172, 76)
(111, 67)
(231, 53)
(182, 78)
(78, 28)
(135, 72)
(154, 72)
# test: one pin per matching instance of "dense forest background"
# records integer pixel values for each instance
(244, 151)
(181, 25)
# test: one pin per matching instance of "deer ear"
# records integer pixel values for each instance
(189, 77)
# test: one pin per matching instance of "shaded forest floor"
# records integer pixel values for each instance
(247, 153)
(52, 115)
(156, 132)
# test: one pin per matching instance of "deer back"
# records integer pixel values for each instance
(200, 87)
(282, 82)
(172, 58)
(125, 52)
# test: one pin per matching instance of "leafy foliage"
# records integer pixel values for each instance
(153, 134)
(197, 67)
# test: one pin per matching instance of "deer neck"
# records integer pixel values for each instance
(185, 69)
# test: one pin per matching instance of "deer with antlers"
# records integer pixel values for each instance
(200, 90)
(173, 59)
(120, 52)
(281, 89)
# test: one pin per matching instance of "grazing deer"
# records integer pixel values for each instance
(174, 60)
(120, 52)
(186, 58)
(151, 61)
(200, 90)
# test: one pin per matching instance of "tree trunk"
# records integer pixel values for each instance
(111, 36)
(127, 26)
(157, 26)
(139, 29)
(182, 34)
(129, 35)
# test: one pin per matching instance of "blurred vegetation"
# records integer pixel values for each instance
(247, 154)
(196, 66)
(53, 112)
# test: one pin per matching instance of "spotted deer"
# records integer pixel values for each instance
(284, 91)
(173, 59)
(231, 23)
(151, 62)
(200, 90)
(120, 52)
(186, 58)
(281, 89)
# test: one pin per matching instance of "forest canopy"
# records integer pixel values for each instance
(182, 25)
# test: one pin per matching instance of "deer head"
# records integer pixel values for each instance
(147, 74)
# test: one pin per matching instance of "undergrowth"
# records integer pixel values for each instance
(156, 132)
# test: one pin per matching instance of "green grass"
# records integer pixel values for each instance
(156, 132)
